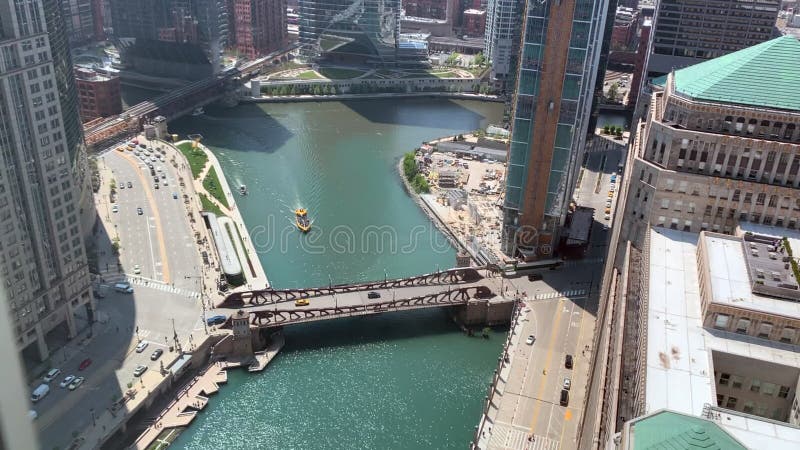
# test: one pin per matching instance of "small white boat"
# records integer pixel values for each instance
(243, 190)
(198, 112)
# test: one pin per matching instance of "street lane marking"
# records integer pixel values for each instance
(159, 230)
(576, 363)
(548, 359)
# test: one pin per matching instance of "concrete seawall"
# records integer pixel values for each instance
(374, 96)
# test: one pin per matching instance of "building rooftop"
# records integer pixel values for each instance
(730, 282)
(766, 75)
(675, 431)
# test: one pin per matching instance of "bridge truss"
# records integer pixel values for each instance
(248, 299)
(279, 317)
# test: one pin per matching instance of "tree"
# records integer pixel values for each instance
(479, 59)
(613, 92)
(606, 129)
(410, 168)
(452, 60)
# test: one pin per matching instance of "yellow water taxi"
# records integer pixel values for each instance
(301, 219)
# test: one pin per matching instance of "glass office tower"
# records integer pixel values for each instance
(561, 45)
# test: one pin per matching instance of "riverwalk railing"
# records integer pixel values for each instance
(502, 362)
(246, 299)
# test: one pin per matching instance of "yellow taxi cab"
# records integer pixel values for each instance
(302, 302)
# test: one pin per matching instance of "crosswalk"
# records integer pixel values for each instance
(569, 294)
(154, 284)
(507, 437)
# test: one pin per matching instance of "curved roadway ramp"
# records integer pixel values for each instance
(276, 307)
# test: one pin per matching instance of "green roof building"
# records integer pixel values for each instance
(670, 430)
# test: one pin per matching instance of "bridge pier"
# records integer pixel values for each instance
(485, 312)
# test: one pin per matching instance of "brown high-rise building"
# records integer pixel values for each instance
(259, 26)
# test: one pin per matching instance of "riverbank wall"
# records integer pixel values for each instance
(373, 96)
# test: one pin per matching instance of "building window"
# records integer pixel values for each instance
(748, 407)
(787, 335)
(742, 326)
(724, 378)
(783, 392)
(731, 403)
(768, 389)
(755, 386)
(720, 399)
(721, 321)
(764, 330)
(665, 203)
(736, 382)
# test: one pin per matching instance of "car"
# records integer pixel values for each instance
(115, 208)
(66, 381)
(160, 157)
(605, 226)
(373, 294)
(156, 354)
(608, 210)
(140, 369)
(567, 383)
(149, 165)
(155, 185)
(159, 169)
(608, 203)
(136, 269)
(153, 159)
(164, 182)
(85, 363)
(610, 194)
(302, 302)
(564, 397)
(215, 320)
(122, 185)
(163, 176)
(141, 145)
(613, 188)
(175, 195)
(607, 217)
(139, 211)
(531, 339)
(568, 362)
(130, 185)
(142, 345)
(51, 375)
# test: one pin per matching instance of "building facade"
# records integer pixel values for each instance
(554, 94)
(43, 260)
(140, 18)
(501, 41)
(719, 149)
(687, 32)
(474, 22)
(79, 19)
(260, 26)
(98, 95)
(431, 9)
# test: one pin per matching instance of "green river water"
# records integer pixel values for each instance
(396, 381)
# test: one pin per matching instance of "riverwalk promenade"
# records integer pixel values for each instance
(251, 265)
(370, 96)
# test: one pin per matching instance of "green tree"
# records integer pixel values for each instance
(452, 60)
(420, 184)
(293, 90)
(606, 129)
(479, 59)
(410, 168)
(613, 92)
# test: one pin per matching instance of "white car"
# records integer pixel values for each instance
(153, 159)
(531, 339)
(142, 345)
(75, 383)
(567, 383)
(139, 370)
(607, 217)
(67, 380)
(115, 208)
(51, 375)
(136, 269)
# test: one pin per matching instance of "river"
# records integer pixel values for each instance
(396, 381)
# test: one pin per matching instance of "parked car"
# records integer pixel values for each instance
(567, 383)
(115, 208)
(156, 186)
(302, 302)
(130, 185)
(140, 369)
(215, 320)
(374, 294)
(85, 363)
(136, 269)
(40, 392)
(142, 345)
(531, 339)
(67, 380)
(568, 362)
(139, 211)
(156, 354)
(175, 195)
(51, 375)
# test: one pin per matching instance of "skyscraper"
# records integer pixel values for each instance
(690, 31)
(260, 26)
(79, 20)
(42, 257)
(559, 55)
(501, 41)
(365, 31)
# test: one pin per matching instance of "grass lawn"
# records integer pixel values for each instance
(308, 75)
(417, 75)
(197, 158)
(213, 187)
(445, 75)
(208, 205)
(340, 74)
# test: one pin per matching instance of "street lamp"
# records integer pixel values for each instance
(330, 286)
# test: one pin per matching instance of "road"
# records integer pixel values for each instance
(526, 411)
(161, 242)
